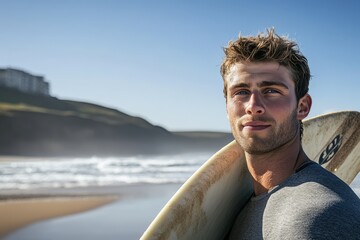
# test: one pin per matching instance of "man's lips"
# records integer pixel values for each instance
(255, 125)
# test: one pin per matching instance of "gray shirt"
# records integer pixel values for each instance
(311, 204)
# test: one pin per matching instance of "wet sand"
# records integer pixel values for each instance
(125, 218)
(17, 213)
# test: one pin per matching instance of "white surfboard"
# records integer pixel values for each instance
(207, 204)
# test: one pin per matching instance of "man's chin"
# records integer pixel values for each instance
(256, 151)
(255, 147)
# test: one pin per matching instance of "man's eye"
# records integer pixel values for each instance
(271, 91)
(242, 92)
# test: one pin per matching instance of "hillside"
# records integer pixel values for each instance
(34, 125)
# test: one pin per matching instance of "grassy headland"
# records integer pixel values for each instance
(34, 125)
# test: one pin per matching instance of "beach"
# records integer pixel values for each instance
(19, 212)
(126, 217)
(122, 194)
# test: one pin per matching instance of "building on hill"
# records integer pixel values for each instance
(23, 81)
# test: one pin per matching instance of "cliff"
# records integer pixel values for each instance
(35, 125)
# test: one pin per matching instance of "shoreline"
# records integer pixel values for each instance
(22, 211)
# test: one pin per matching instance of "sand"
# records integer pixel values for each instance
(130, 210)
(17, 213)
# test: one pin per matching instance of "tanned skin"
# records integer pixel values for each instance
(264, 115)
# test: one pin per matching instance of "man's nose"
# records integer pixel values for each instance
(255, 106)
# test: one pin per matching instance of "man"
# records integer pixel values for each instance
(266, 82)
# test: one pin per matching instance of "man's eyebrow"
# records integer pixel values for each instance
(242, 85)
(272, 83)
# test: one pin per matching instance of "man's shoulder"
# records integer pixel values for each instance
(314, 202)
(318, 188)
(316, 178)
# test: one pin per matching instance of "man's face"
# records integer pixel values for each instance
(261, 106)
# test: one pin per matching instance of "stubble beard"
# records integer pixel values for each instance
(278, 137)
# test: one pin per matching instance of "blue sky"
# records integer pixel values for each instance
(160, 59)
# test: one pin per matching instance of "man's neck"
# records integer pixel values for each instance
(270, 169)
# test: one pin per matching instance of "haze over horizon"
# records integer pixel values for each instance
(160, 60)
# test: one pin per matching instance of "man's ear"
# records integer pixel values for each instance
(304, 106)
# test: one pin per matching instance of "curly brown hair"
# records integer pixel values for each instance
(268, 48)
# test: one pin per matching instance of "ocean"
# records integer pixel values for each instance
(111, 171)
(94, 171)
